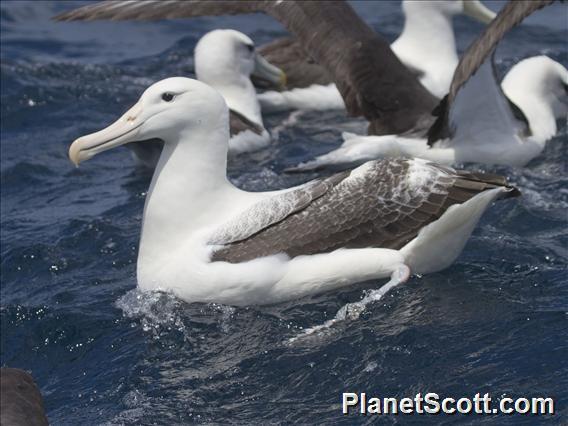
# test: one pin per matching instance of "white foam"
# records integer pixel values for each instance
(156, 310)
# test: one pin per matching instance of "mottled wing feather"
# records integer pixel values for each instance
(477, 53)
(381, 204)
(273, 210)
(369, 76)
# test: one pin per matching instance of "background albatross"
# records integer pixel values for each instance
(227, 60)
(206, 240)
(426, 45)
(473, 124)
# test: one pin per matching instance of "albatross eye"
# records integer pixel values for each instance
(250, 47)
(168, 97)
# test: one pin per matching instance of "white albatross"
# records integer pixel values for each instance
(205, 240)
(475, 122)
(484, 122)
(426, 44)
(226, 60)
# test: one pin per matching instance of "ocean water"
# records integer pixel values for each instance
(103, 353)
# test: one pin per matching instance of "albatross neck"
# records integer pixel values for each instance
(188, 188)
(427, 36)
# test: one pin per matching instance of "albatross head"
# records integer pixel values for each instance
(225, 57)
(166, 110)
(539, 87)
(472, 8)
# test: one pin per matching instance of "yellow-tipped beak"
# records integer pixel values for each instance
(264, 70)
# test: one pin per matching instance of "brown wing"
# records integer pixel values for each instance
(301, 71)
(373, 206)
(371, 79)
(117, 10)
(477, 53)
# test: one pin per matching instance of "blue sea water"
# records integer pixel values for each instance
(103, 353)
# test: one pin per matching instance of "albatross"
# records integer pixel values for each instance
(226, 59)
(426, 45)
(486, 123)
(479, 120)
(375, 84)
(205, 240)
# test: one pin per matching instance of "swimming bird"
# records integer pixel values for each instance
(227, 60)
(487, 123)
(426, 46)
(371, 79)
(476, 122)
(205, 240)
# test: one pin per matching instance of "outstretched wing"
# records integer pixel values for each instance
(380, 204)
(117, 10)
(478, 53)
(372, 80)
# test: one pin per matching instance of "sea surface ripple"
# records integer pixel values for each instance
(103, 353)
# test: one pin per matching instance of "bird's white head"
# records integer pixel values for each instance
(539, 87)
(166, 110)
(225, 57)
(448, 8)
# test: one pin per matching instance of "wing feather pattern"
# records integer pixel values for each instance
(372, 80)
(380, 204)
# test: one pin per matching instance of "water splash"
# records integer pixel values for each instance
(158, 312)
(161, 313)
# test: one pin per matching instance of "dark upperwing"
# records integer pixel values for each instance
(372, 80)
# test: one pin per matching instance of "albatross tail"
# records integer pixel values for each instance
(438, 244)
